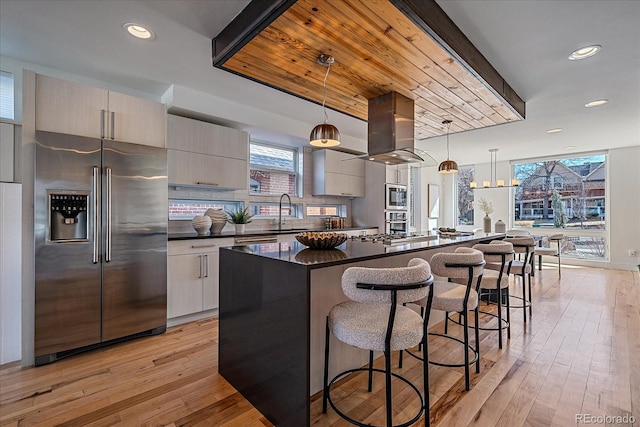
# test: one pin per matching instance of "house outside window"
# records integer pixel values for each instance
(273, 170)
(568, 194)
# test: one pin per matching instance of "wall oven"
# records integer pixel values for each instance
(396, 222)
(395, 196)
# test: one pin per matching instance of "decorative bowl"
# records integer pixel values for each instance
(318, 240)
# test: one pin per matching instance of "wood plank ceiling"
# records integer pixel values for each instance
(407, 46)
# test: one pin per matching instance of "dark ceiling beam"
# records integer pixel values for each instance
(428, 16)
(254, 18)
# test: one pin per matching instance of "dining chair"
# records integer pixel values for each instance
(551, 251)
(375, 319)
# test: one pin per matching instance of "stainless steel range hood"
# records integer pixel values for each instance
(390, 130)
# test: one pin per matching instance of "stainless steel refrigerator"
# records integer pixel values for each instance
(100, 243)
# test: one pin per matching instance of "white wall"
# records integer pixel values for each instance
(624, 207)
(10, 273)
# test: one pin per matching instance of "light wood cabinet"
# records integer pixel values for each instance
(338, 174)
(206, 154)
(68, 107)
(193, 275)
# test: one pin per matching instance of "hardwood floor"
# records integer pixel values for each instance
(577, 355)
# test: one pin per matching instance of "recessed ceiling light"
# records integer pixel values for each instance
(596, 103)
(139, 31)
(556, 130)
(584, 52)
(569, 147)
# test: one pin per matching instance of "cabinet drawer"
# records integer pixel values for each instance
(198, 246)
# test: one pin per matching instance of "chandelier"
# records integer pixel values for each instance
(494, 182)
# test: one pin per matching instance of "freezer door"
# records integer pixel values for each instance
(67, 267)
(135, 215)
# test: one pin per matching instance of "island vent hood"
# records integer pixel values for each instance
(390, 130)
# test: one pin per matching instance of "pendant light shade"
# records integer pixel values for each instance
(325, 134)
(448, 166)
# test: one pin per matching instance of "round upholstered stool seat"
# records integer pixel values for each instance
(450, 296)
(550, 251)
(364, 326)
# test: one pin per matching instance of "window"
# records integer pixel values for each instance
(270, 210)
(320, 211)
(567, 193)
(465, 195)
(6, 95)
(187, 209)
(273, 170)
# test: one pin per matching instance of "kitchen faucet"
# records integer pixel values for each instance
(280, 210)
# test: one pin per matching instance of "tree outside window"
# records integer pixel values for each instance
(465, 196)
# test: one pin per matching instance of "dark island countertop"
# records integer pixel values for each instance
(352, 250)
(257, 233)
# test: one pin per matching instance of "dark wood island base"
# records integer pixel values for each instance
(273, 301)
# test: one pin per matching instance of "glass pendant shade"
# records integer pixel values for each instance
(324, 135)
(448, 166)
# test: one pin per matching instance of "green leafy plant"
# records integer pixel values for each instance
(240, 216)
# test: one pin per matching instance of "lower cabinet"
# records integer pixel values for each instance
(192, 275)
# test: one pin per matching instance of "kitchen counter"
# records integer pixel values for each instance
(274, 299)
(249, 233)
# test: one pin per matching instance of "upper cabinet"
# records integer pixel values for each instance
(397, 174)
(67, 107)
(338, 174)
(206, 154)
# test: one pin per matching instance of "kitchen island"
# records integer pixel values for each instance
(274, 298)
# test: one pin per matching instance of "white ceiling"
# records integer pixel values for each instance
(527, 41)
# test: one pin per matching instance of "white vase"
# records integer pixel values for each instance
(202, 224)
(240, 228)
(218, 219)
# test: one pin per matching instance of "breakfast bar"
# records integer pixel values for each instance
(274, 298)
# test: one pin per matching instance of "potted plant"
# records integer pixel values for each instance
(240, 217)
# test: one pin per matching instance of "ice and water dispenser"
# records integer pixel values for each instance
(68, 216)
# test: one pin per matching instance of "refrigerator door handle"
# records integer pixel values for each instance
(108, 236)
(102, 123)
(113, 125)
(96, 214)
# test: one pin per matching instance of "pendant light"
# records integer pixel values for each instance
(495, 182)
(448, 166)
(325, 134)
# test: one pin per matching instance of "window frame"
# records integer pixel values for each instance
(295, 170)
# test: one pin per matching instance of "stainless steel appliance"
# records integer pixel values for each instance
(396, 222)
(100, 243)
(395, 196)
(394, 238)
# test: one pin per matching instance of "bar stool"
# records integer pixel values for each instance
(550, 251)
(464, 264)
(524, 246)
(374, 319)
(498, 256)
